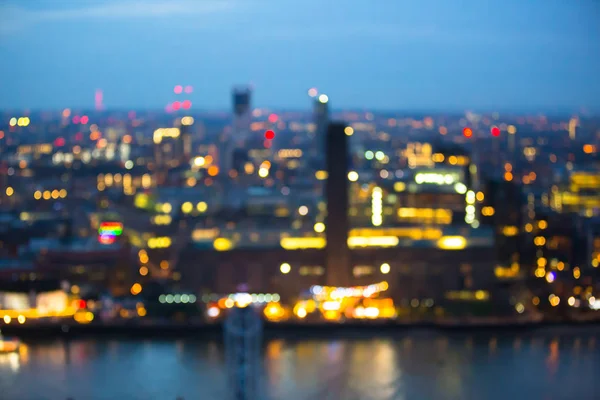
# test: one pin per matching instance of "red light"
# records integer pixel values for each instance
(267, 144)
(85, 119)
(81, 304)
(269, 135)
(79, 136)
(273, 118)
(59, 142)
(178, 89)
(495, 131)
(76, 119)
(176, 105)
(467, 132)
(186, 104)
(189, 89)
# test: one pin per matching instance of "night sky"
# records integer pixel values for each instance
(379, 54)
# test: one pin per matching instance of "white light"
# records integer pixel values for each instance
(323, 98)
(352, 176)
(199, 161)
(302, 210)
(371, 312)
(285, 268)
(128, 164)
(331, 305)
(470, 197)
(385, 268)
(460, 188)
(213, 312)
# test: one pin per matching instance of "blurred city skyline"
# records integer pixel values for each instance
(427, 55)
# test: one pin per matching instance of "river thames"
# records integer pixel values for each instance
(545, 363)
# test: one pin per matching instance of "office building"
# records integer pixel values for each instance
(337, 256)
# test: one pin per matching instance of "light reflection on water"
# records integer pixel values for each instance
(547, 364)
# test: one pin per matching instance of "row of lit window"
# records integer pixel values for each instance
(47, 194)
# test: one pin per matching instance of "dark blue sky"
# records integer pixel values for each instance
(381, 54)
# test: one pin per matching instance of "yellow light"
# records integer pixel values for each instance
(576, 273)
(136, 289)
(511, 129)
(549, 277)
(62, 193)
(399, 186)
(191, 181)
(9, 191)
(285, 268)
(319, 227)
(535, 301)
(352, 176)
(452, 243)
(321, 175)
(508, 176)
(47, 195)
(21, 319)
(7, 319)
(554, 300)
(349, 131)
(229, 303)
(298, 243)
(55, 193)
(201, 207)
(37, 195)
(301, 313)
(186, 121)
(385, 268)
(571, 301)
(187, 207)
(510, 231)
(539, 241)
(166, 208)
(274, 311)
(542, 224)
(480, 196)
(222, 244)
(89, 316)
(143, 270)
(141, 312)
(373, 241)
(164, 264)
(541, 262)
(323, 98)
(13, 121)
(528, 227)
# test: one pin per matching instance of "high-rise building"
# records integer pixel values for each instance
(242, 115)
(573, 122)
(321, 116)
(337, 256)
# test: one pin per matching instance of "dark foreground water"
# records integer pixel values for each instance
(546, 364)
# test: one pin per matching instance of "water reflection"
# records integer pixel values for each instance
(415, 366)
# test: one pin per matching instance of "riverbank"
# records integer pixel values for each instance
(374, 328)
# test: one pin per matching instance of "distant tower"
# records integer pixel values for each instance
(98, 100)
(242, 113)
(573, 122)
(242, 116)
(321, 115)
(337, 257)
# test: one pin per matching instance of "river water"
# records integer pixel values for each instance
(546, 364)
